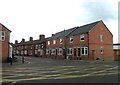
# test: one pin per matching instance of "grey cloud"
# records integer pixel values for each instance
(100, 10)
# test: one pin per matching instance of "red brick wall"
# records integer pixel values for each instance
(5, 44)
(92, 40)
(76, 42)
(95, 44)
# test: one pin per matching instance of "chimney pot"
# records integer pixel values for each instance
(31, 39)
(41, 37)
(16, 41)
(52, 34)
(23, 40)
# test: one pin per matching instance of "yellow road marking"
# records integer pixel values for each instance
(62, 75)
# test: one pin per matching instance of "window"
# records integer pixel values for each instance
(31, 47)
(47, 51)
(101, 50)
(61, 41)
(71, 39)
(101, 38)
(48, 42)
(69, 51)
(84, 50)
(54, 41)
(2, 35)
(35, 52)
(82, 37)
(60, 51)
(36, 46)
(53, 51)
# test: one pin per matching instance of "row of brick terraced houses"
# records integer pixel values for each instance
(90, 41)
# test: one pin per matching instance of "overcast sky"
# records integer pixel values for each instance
(27, 18)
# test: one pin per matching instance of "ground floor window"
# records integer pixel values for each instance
(69, 51)
(21, 52)
(17, 52)
(36, 52)
(84, 50)
(25, 52)
(53, 51)
(60, 51)
(41, 52)
(47, 51)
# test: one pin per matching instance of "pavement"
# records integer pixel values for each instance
(44, 70)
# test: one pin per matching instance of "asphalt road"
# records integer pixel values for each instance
(43, 70)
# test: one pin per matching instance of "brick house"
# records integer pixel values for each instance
(116, 49)
(91, 41)
(4, 42)
(31, 47)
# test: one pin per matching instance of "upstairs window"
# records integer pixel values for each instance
(82, 36)
(101, 38)
(71, 39)
(48, 42)
(2, 35)
(54, 41)
(61, 40)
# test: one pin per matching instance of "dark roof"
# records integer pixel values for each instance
(74, 31)
(61, 34)
(30, 42)
(5, 27)
(84, 28)
(116, 44)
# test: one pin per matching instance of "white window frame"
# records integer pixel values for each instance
(53, 51)
(61, 40)
(54, 42)
(82, 36)
(71, 38)
(101, 50)
(2, 37)
(48, 42)
(25, 52)
(70, 51)
(47, 51)
(60, 49)
(36, 52)
(85, 48)
(22, 52)
(36, 46)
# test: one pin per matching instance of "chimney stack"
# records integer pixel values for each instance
(16, 41)
(23, 40)
(41, 37)
(31, 39)
(52, 35)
